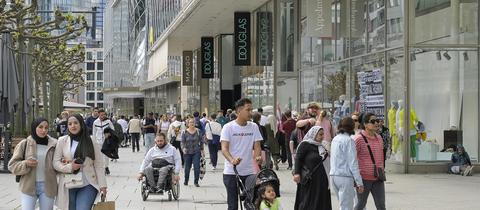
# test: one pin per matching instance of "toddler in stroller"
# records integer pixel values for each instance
(256, 187)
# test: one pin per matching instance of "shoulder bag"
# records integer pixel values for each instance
(18, 177)
(379, 173)
(307, 174)
(73, 180)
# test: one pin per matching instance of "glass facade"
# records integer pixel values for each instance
(160, 15)
(117, 71)
(436, 77)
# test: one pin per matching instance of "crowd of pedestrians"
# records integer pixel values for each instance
(346, 157)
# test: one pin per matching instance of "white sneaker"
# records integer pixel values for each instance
(468, 171)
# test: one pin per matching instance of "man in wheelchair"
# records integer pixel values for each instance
(163, 157)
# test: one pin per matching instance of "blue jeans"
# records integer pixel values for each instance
(230, 182)
(149, 140)
(82, 198)
(195, 159)
(213, 150)
(28, 201)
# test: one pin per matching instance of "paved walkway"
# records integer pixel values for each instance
(430, 191)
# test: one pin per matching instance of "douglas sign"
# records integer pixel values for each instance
(242, 38)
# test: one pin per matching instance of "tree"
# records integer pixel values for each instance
(28, 30)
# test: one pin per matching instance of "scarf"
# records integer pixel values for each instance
(38, 139)
(310, 139)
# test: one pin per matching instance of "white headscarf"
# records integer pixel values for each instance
(310, 138)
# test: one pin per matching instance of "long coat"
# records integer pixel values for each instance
(92, 169)
(18, 166)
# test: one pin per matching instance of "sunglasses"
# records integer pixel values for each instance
(373, 121)
(355, 120)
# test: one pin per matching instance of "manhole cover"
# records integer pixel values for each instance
(212, 202)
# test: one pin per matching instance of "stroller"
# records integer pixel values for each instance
(249, 188)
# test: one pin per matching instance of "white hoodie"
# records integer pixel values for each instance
(98, 127)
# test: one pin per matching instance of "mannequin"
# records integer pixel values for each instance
(412, 131)
(392, 120)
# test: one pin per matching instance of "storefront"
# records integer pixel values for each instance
(372, 58)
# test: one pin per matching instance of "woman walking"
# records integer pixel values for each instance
(164, 124)
(309, 173)
(369, 147)
(192, 146)
(32, 160)
(344, 172)
(274, 146)
(81, 164)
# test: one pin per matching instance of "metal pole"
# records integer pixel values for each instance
(406, 53)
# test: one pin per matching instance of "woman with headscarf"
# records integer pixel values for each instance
(81, 164)
(32, 160)
(309, 173)
(274, 146)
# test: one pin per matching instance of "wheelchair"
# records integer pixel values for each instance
(171, 187)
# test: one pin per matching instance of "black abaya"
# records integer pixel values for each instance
(315, 195)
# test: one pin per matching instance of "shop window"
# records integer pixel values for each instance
(444, 98)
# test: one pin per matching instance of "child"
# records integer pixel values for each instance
(268, 198)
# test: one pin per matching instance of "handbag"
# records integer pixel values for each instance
(104, 205)
(307, 177)
(18, 177)
(203, 169)
(379, 173)
(215, 138)
(72, 181)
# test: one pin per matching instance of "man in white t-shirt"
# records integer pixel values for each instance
(238, 138)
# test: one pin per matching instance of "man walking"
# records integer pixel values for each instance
(238, 137)
(100, 124)
(213, 130)
(135, 128)
(89, 121)
(124, 125)
(150, 130)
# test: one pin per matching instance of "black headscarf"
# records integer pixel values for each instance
(35, 124)
(85, 144)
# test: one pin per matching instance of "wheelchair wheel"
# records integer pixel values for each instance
(144, 191)
(175, 192)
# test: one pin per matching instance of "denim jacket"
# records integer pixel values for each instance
(343, 158)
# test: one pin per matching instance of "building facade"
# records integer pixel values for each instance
(389, 57)
(94, 77)
(122, 96)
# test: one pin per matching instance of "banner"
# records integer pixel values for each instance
(319, 18)
(264, 39)
(187, 68)
(207, 66)
(371, 92)
(242, 38)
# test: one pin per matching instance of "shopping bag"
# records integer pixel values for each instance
(104, 205)
(203, 168)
